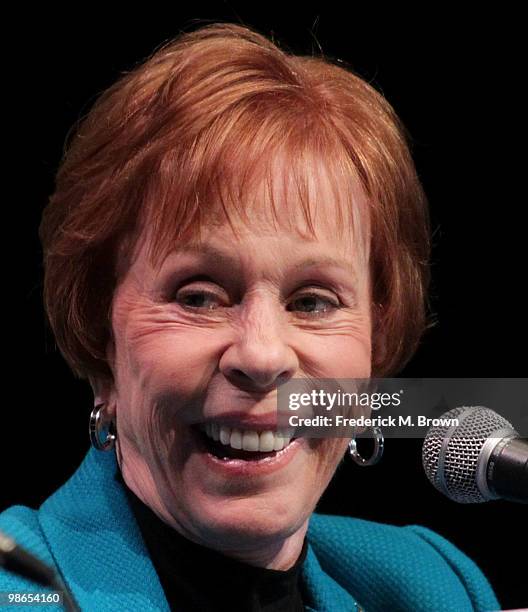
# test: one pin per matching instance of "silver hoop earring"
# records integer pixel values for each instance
(379, 443)
(99, 422)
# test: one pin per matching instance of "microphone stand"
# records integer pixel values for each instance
(19, 561)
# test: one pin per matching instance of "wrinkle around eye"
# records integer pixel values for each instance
(342, 326)
(161, 319)
(144, 316)
(356, 325)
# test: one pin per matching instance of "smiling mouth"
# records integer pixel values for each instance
(226, 443)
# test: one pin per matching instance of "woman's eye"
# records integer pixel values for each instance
(199, 299)
(312, 304)
(309, 305)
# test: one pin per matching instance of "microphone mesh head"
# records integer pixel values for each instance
(450, 454)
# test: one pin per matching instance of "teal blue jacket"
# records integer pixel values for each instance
(88, 533)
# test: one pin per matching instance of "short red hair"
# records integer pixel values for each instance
(201, 118)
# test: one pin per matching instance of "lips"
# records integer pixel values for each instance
(241, 450)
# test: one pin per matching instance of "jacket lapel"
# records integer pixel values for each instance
(325, 594)
(96, 543)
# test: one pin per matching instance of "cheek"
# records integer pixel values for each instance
(330, 452)
(158, 353)
(337, 354)
(163, 369)
(320, 466)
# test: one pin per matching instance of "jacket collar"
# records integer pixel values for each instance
(96, 543)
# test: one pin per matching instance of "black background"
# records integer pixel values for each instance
(453, 79)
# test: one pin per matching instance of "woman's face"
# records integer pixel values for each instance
(203, 341)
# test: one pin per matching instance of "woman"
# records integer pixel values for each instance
(226, 218)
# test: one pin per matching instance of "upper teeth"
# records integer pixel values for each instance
(247, 439)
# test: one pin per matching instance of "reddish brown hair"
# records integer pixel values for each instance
(192, 128)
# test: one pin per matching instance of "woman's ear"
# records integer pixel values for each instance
(111, 352)
(104, 393)
(379, 354)
(103, 387)
(379, 339)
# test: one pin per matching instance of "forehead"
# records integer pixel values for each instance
(309, 197)
(294, 202)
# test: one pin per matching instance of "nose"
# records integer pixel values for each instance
(259, 359)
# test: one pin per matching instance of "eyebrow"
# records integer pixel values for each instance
(219, 257)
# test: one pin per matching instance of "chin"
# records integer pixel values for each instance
(248, 509)
(246, 521)
(234, 501)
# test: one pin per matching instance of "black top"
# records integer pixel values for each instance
(199, 579)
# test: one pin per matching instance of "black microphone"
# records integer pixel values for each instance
(19, 561)
(480, 457)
